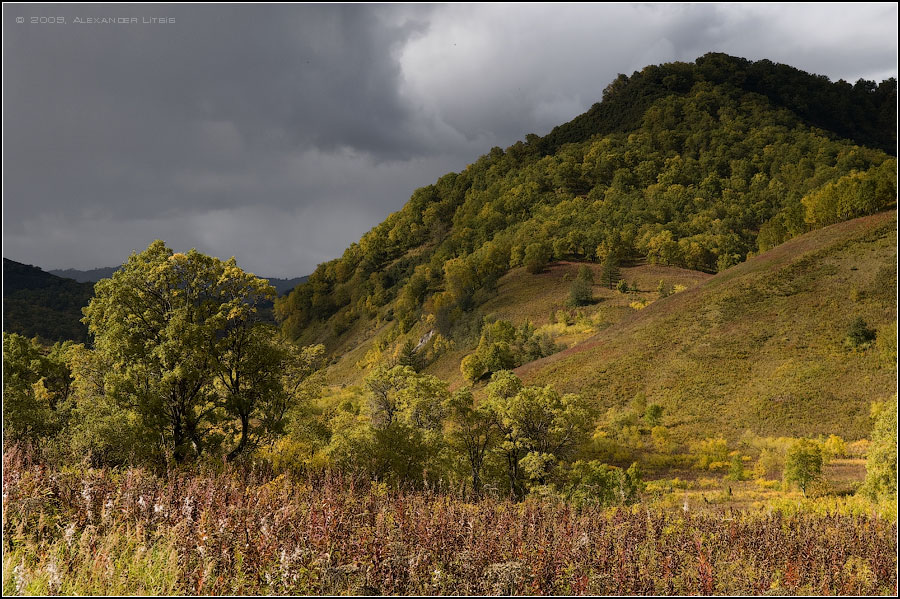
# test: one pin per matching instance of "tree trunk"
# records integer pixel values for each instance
(177, 441)
(242, 444)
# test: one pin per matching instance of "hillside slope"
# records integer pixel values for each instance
(689, 165)
(38, 303)
(520, 297)
(761, 346)
(85, 276)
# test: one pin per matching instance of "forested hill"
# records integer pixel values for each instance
(864, 112)
(37, 303)
(696, 165)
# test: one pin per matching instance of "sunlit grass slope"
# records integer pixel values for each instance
(520, 297)
(761, 346)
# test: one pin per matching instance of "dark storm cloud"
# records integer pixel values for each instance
(149, 107)
(280, 133)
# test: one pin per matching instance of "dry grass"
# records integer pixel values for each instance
(758, 347)
(247, 532)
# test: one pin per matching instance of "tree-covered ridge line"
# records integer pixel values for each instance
(36, 303)
(864, 112)
(704, 178)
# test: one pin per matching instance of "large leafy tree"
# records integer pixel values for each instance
(168, 324)
(260, 378)
(403, 437)
(538, 426)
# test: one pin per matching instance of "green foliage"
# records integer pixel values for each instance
(538, 428)
(100, 428)
(580, 292)
(610, 273)
(770, 464)
(503, 346)
(472, 368)
(711, 453)
(36, 303)
(586, 274)
(736, 470)
(833, 447)
(881, 463)
(716, 162)
(862, 112)
(631, 484)
(470, 432)
(409, 356)
(401, 394)
(803, 464)
(663, 290)
(855, 194)
(593, 483)
(261, 379)
(37, 385)
(653, 414)
(399, 436)
(859, 334)
(537, 255)
(184, 351)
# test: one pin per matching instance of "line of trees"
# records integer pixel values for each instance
(413, 429)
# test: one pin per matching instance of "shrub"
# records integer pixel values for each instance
(859, 334)
(711, 453)
(663, 290)
(537, 256)
(736, 468)
(580, 293)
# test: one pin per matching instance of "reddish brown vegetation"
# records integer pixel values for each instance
(243, 531)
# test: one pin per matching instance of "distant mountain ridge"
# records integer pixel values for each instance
(85, 276)
(93, 275)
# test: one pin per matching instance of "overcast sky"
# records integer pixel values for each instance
(279, 134)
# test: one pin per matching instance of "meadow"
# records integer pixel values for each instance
(239, 530)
